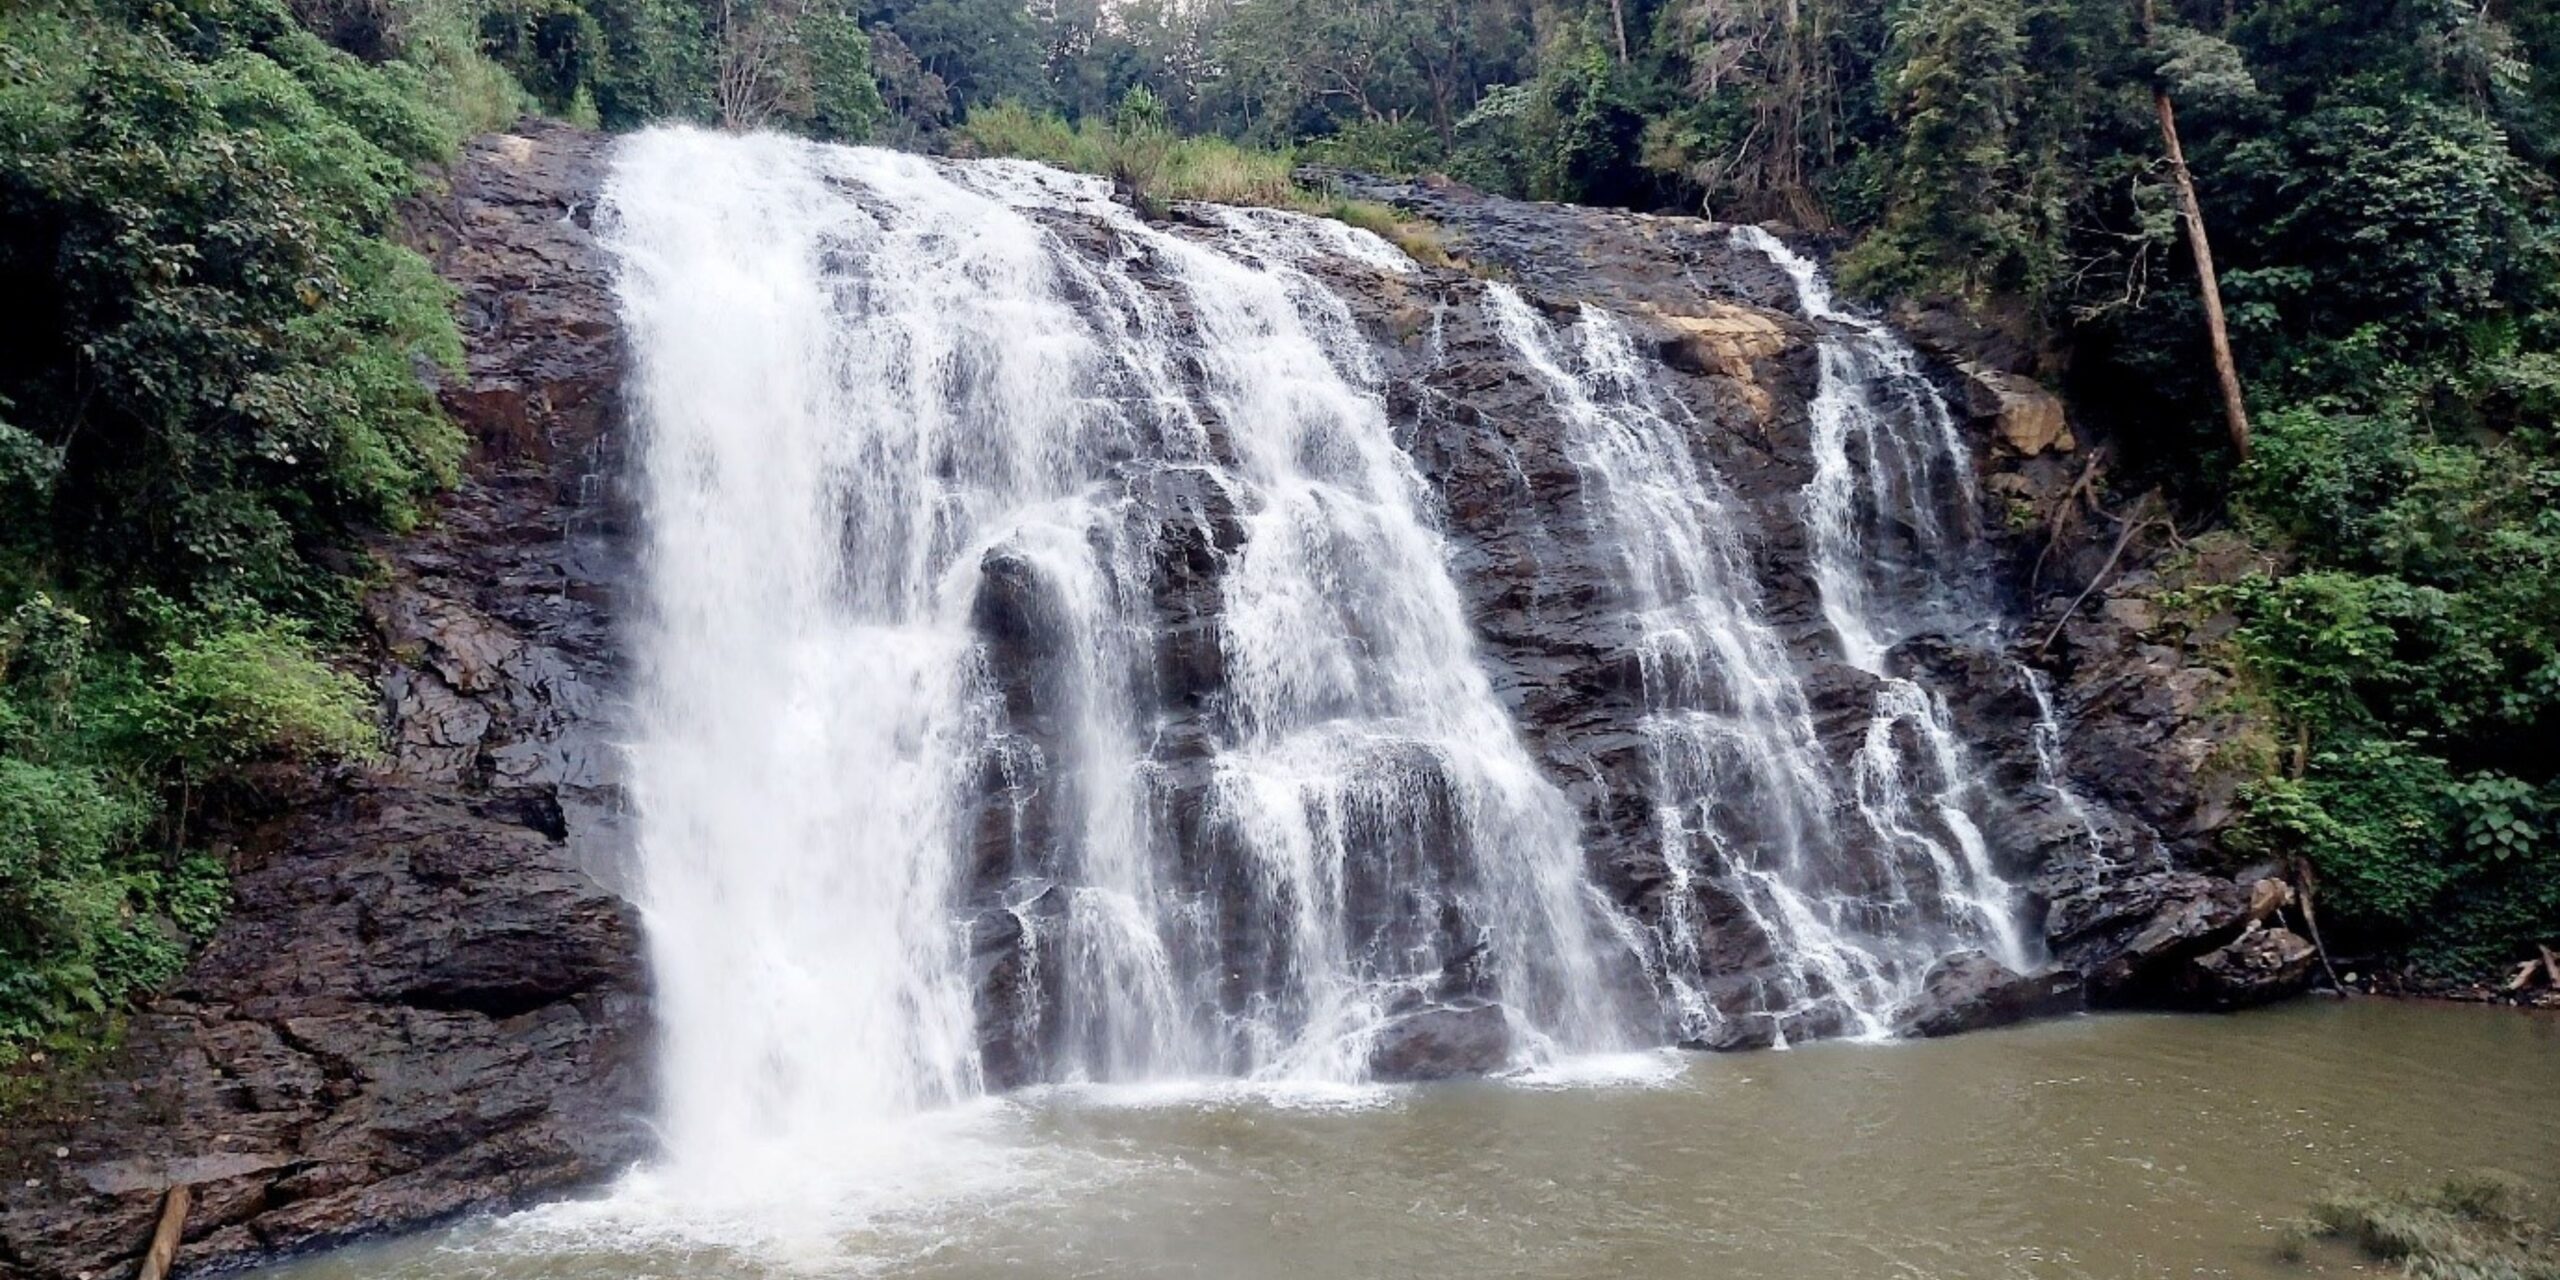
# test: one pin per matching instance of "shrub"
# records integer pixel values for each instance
(210, 374)
(255, 692)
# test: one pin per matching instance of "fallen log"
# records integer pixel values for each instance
(164, 1238)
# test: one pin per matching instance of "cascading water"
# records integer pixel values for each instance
(926, 483)
(1877, 420)
(1051, 669)
(1913, 525)
(1740, 788)
(1856, 878)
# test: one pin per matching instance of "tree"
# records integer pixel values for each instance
(983, 50)
(2226, 373)
(1304, 68)
(804, 64)
(1956, 220)
(1764, 112)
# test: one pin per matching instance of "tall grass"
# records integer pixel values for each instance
(1206, 169)
(2467, 1227)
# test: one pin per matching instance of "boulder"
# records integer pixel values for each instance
(2133, 936)
(2264, 965)
(1970, 991)
(1443, 1042)
(2268, 896)
(2026, 417)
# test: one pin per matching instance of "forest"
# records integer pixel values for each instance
(211, 391)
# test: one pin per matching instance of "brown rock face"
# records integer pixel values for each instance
(425, 998)
(2028, 419)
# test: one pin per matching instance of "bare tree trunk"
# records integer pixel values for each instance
(1618, 16)
(2235, 412)
(164, 1238)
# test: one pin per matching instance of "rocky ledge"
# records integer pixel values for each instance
(2110, 823)
(426, 998)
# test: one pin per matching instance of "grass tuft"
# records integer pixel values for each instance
(1208, 170)
(2473, 1226)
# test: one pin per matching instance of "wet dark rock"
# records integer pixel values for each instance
(2132, 937)
(1443, 1042)
(2263, 966)
(1014, 965)
(1970, 991)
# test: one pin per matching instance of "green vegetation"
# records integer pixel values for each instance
(2468, 1227)
(1135, 148)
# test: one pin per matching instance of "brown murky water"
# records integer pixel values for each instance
(2117, 1147)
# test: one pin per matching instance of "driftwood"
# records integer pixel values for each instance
(2311, 921)
(2524, 975)
(164, 1238)
(2134, 523)
(2059, 518)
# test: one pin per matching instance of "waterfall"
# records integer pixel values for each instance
(1045, 644)
(1050, 666)
(1855, 874)
(2047, 738)
(1892, 494)
(1741, 792)
(1876, 418)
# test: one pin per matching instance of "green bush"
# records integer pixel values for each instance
(101, 751)
(239, 695)
(71, 937)
(1391, 148)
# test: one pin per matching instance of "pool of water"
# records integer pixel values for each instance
(2118, 1147)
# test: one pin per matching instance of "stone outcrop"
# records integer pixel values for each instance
(2026, 418)
(426, 998)
(1442, 1043)
(1970, 991)
(2263, 964)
